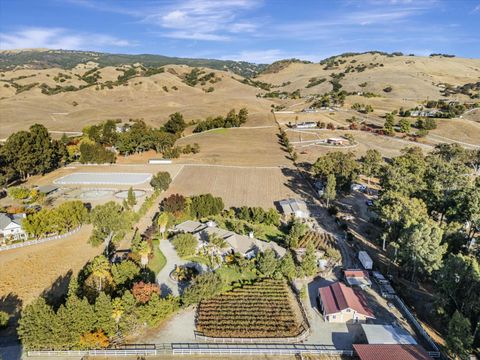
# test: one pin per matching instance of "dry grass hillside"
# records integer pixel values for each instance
(152, 98)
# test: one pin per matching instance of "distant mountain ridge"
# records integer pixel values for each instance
(68, 59)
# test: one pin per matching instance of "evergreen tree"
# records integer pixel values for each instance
(267, 263)
(131, 199)
(161, 181)
(330, 193)
(38, 327)
(459, 339)
(309, 261)
(104, 315)
(287, 266)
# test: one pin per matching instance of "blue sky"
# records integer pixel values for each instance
(250, 30)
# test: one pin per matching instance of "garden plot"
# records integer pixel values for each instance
(94, 178)
(267, 309)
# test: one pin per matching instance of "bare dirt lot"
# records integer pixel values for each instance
(237, 185)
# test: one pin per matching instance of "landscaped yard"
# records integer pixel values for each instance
(266, 309)
(230, 274)
(158, 261)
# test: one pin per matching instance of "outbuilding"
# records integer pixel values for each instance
(295, 207)
(340, 304)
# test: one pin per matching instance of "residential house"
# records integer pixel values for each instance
(340, 304)
(295, 207)
(11, 227)
(338, 141)
(356, 277)
(246, 246)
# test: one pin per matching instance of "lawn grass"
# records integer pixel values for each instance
(230, 274)
(158, 260)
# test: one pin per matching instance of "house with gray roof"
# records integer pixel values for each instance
(295, 207)
(11, 227)
(244, 245)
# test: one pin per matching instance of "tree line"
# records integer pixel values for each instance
(32, 152)
(232, 119)
(429, 214)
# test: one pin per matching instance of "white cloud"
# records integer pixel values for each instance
(58, 38)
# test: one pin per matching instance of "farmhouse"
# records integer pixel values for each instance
(340, 304)
(295, 207)
(355, 277)
(337, 141)
(11, 227)
(391, 352)
(246, 246)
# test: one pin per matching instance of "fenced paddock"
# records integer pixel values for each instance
(103, 178)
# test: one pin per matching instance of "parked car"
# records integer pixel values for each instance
(369, 202)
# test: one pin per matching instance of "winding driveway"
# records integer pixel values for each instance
(167, 285)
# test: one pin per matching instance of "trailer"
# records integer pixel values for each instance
(366, 260)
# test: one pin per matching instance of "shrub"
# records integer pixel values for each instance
(161, 181)
(4, 318)
(144, 291)
(185, 245)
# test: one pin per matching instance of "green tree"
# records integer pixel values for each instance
(330, 193)
(297, 230)
(309, 261)
(104, 315)
(124, 272)
(185, 245)
(157, 309)
(342, 165)
(38, 327)
(267, 263)
(175, 124)
(161, 181)
(404, 125)
(205, 205)
(163, 221)
(459, 339)
(203, 287)
(131, 198)
(110, 223)
(99, 270)
(389, 124)
(421, 248)
(272, 217)
(371, 164)
(287, 267)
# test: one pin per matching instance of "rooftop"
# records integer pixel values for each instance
(337, 297)
(387, 334)
(390, 352)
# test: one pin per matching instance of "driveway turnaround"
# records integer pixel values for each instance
(104, 178)
(167, 285)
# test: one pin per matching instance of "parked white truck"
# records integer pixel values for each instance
(366, 260)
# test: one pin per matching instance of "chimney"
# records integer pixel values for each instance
(250, 234)
(211, 223)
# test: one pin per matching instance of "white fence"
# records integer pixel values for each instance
(413, 320)
(38, 241)
(200, 348)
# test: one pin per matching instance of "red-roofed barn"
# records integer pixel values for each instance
(390, 352)
(340, 303)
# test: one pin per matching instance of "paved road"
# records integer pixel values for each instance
(167, 285)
